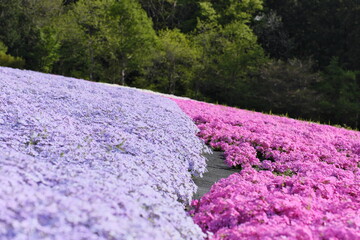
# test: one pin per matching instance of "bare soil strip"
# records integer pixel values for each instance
(217, 169)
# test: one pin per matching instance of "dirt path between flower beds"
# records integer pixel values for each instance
(217, 169)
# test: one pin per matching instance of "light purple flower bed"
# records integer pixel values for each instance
(82, 160)
(296, 180)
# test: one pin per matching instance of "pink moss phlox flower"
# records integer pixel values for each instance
(299, 180)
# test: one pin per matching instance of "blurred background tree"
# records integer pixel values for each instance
(172, 69)
(8, 60)
(106, 40)
(284, 56)
(27, 29)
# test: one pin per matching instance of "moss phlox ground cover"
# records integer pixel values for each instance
(83, 160)
(296, 180)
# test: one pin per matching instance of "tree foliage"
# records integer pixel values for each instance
(172, 71)
(320, 28)
(341, 90)
(229, 55)
(27, 29)
(287, 87)
(8, 60)
(112, 39)
(252, 53)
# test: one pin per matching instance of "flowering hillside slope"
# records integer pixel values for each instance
(296, 180)
(82, 160)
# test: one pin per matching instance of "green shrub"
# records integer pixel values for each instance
(8, 60)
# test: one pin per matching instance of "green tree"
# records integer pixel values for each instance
(26, 28)
(272, 35)
(132, 41)
(229, 54)
(171, 14)
(172, 71)
(240, 58)
(105, 40)
(8, 60)
(287, 87)
(162, 12)
(80, 34)
(236, 11)
(341, 91)
(320, 29)
(11, 16)
(204, 38)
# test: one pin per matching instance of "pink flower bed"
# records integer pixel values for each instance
(298, 180)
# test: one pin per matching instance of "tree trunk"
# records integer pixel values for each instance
(123, 77)
(172, 79)
(123, 72)
(92, 62)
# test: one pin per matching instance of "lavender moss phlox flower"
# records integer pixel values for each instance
(83, 160)
(299, 180)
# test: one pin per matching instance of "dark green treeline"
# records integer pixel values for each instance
(300, 58)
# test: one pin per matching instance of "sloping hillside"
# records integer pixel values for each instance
(82, 160)
(296, 180)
